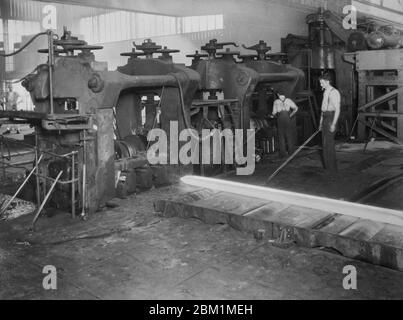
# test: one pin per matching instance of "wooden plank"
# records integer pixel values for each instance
(390, 235)
(382, 115)
(390, 241)
(336, 224)
(382, 215)
(380, 99)
(362, 230)
(269, 209)
(381, 131)
(354, 238)
(289, 215)
(230, 203)
(190, 197)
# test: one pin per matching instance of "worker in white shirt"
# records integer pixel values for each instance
(285, 109)
(328, 122)
(12, 99)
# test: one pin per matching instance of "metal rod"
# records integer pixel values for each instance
(42, 151)
(292, 156)
(50, 67)
(46, 199)
(73, 187)
(354, 125)
(20, 188)
(60, 182)
(84, 199)
(38, 191)
(2, 157)
(62, 156)
(16, 164)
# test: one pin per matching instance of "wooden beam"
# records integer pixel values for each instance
(381, 131)
(381, 99)
(303, 200)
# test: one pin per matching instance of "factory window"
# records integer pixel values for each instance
(17, 29)
(125, 25)
(201, 23)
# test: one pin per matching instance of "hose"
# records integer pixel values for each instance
(25, 45)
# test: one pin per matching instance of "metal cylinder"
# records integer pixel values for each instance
(357, 41)
(385, 38)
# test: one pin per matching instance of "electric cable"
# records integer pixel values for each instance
(25, 45)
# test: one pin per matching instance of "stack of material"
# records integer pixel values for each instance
(16, 209)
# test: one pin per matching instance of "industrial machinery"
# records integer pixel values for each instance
(375, 37)
(275, 74)
(222, 76)
(140, 110)
(385, 37)
(224, 93)
(75, 98)
(322, 51)
(91, 124)
(244, 83)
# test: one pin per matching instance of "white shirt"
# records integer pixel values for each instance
(285, 105)
(331, 99)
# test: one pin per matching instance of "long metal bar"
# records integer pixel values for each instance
(382, 215)
(20, 188)
(73, 187)
(37, 182)
(46, 199)
(61, 156)
(84, 182)
(60, 182)
(275, 173)
(2, 157)
(16, 164)
(50, 66)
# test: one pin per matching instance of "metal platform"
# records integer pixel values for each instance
(366, 240)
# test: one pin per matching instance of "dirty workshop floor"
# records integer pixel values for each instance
(128, 252)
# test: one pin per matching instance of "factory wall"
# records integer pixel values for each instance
(245, 23)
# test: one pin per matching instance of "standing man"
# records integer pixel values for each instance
(328, 121)
(12, 99)
(285, 126)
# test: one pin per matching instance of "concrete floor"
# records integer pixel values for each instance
(130, 253)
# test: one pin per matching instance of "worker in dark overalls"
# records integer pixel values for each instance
(285, 109)
(328, 122)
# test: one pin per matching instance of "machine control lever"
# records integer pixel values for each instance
(261, 48)
(212, 46)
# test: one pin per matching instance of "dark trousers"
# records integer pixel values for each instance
(285, 134)
(328, 143)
